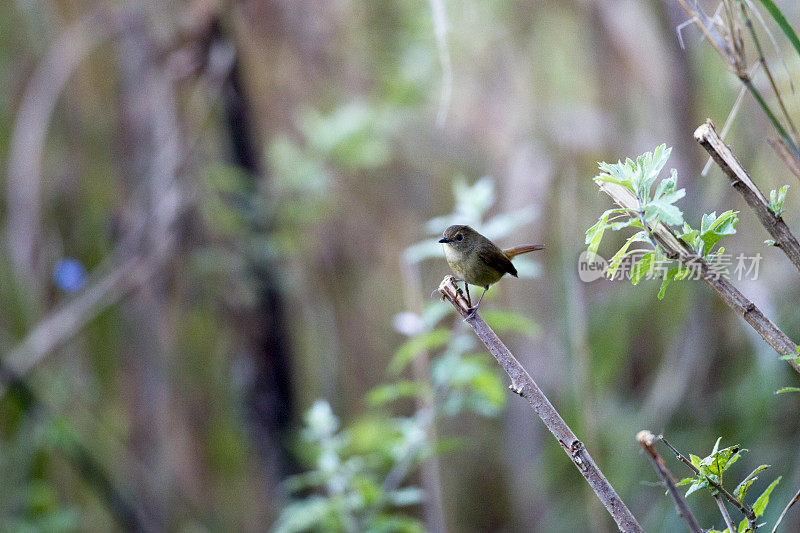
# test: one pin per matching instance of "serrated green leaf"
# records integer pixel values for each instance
(761, 503)
(663, 209)
(741, 490)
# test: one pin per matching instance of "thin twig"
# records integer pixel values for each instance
(57, 328)
(647, 440)
(523, 384)
(791, 162)
(675, 248)
(726, 516)
(793, 501)
(744, 509)
(30, 130)
(709, 139)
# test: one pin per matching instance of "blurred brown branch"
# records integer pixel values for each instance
(30, 131)
(675, 248)
(709, 139)
(523, 384)
(648, 440)
(57, 328)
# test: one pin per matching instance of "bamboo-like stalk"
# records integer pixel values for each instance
(523, 384)
(722, 154)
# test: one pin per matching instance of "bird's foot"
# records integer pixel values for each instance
(471, 312)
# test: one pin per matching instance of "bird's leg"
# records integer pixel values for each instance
(466, 287)
(473, 309)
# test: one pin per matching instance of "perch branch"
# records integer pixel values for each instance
(523, 384)
(647, 440)
(675, 248)
(746, 511)
(722, 154)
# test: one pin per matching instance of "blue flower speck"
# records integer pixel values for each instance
(69, 275)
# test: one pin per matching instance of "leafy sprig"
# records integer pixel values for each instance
(655, 206)
(776, 198)
(711, 469)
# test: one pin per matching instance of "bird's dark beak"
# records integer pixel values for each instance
(444, 240)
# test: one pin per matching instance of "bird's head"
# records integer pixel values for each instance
(459, 237)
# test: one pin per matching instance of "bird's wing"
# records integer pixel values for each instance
(499, 261)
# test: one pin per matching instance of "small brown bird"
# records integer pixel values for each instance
(478, 261)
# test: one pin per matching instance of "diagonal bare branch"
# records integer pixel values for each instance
(722, 154)
(523, 384)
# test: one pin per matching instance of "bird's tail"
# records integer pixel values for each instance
(525, 248)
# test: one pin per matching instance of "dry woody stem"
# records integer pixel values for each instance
(709, 139)
(648, 440)
(675, 248)
(523, 384)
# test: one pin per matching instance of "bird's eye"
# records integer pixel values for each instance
(459, 237)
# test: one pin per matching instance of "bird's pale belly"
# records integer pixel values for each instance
(473, 270)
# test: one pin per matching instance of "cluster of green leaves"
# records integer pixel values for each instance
(654, 206)
(711, 470)
(346, 487)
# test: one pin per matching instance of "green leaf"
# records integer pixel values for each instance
(695, 460)
(643, 267)
(595, 234)
(698, 484)
(744, 527)
(741, 490)
(690, 236)
(388, 392)
(782, 22)
(651, 165)
(415, 346)
(761, 503)
(787, 389)
(668, 277)
(622, 253)
(510, 322)
(663, 209)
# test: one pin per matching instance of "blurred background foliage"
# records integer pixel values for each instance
(256, 186)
